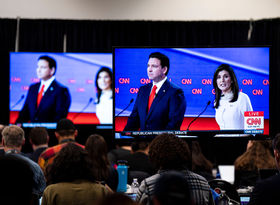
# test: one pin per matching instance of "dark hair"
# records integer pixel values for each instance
(167, 151)
(234, 86)
(71, 163)
(172, 188)
(99, 91)
(276, 142)
(199, 161)
(39, 135)
(16, 180)
(258, 156)
(65, 127)
(51, 61)
(164, 60)
(97, 150)
(139, 145)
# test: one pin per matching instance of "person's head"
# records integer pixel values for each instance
(97, 150)
(71, 163)
(96, 146)
(13, 137)
(16, 180)
(65, 129)
(140, 145)
(46, 67)
(276, 150)
(38, 136)
(171, 188)
(225, 81)
(167, 151)
(257, 156)
(103, 81)
(199, 161)
(158, 66)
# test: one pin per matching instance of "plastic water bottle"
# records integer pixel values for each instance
(134, 186)
(122, 172)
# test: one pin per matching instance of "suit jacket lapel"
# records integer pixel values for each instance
(158, 97)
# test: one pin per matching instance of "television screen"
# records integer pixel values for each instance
(243, 97)
(70, 88)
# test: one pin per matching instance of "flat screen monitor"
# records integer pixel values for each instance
(74, 95)
(192, 70)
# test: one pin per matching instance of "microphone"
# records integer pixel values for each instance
(21, 98)
(131, 101)
(89, 101)
(208, 103)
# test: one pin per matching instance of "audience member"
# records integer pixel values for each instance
(103, 171)
(122, 149)
(172, 188)
(13, 139)
(257, 156)
(200, 164)
(71, 180)
(138, 160)
(2, 152)
(38, 138)
(267, 191)
(16, 181)
(65, 133)
(118, 199)
(168, 152)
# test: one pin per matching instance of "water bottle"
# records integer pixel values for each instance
(134, 186)
(122, 172)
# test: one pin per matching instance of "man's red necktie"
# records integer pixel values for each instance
(40, 95)
(152, 96)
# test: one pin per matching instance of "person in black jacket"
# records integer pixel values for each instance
(267, 191)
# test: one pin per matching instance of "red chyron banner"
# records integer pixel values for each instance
(254, 120)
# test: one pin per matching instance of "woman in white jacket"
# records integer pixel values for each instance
(230, 104)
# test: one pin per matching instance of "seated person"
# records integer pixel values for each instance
(257, 156)
(103, 171)
(138, 161)
(168, 152)
(70, 179)
(38, 138)
(172, 188)
(16, 181)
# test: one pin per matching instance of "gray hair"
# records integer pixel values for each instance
(13, 136)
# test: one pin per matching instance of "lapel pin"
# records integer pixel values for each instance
(51, 88)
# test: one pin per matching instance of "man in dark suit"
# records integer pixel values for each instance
(267, 191)
(48, 100)
(160, 105)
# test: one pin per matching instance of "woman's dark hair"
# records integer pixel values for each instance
(167, 151)
(258, 156)
(234, 86)
(99, 91)
(97, 150)
(71, 163)
(199, 161)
